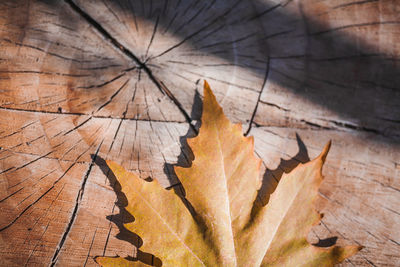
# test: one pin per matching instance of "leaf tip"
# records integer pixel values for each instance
(212, 110)
(208, 92)
(206, 85)
(325, 151)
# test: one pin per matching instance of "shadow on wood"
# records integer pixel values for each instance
(334, 68)
(125, 217)
(271, 178)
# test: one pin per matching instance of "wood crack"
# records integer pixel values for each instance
(355, 25)
(337, 125)
(199, 30)
(37, 200)
(274, 105)
(76, 208)
(87, 114)
(113, 96)
(159, 84)
(355, 3)
(104, 83)
(259, 98)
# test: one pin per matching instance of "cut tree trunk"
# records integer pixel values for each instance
(84, 81)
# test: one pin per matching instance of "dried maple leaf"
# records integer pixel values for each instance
(221, 186)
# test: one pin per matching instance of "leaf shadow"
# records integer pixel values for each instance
(186, 157)
(124, 217)
(272, 177)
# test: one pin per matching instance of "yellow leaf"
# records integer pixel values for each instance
(221, 185)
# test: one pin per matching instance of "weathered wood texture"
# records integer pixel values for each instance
(83, 81)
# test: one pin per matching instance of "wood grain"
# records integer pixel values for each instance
(86, 81)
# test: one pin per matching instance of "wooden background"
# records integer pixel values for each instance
(82, 81)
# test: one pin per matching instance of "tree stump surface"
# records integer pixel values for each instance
(86, 81)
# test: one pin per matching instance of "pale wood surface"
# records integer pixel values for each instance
(83, 81)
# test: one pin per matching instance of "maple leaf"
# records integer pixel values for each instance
(221, 185)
